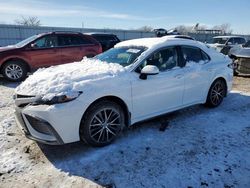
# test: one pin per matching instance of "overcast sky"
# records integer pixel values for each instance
(130, 14)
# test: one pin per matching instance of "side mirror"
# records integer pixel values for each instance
(148, 70)
(229, 43)
(33, 45)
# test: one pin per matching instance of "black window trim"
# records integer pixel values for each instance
(157, 50)
(209, 58)
(73, 46)
(28, 46)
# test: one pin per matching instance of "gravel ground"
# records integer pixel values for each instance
(199, 147)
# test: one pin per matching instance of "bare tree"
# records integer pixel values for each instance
(183, 29)
(226, 28)
(28, 21)
(145, 28)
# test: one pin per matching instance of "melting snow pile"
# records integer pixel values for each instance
(67, 78)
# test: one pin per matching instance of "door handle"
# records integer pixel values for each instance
(178, 76)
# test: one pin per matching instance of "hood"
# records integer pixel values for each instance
(7, 48)
(241, 52)
(62, 79)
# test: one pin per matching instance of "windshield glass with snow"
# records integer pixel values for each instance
(26, 41)
(220, 40)
(124, 55)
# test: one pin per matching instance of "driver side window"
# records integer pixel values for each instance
(46, 42)
(165, 60)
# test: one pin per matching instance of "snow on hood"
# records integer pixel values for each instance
(68, 78)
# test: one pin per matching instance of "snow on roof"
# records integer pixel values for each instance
(229, 36)
(152, 43)
(147, 42)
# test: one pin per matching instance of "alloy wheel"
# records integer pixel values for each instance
(14, 71)
(105, 125)
(217, 93)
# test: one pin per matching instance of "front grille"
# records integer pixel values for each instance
(244, 65)
(23, 96)
(23, 100)
(39, 125)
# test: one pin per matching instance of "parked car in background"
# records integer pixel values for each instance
(134, 81)
(241, 58)
(163, 32)
(224, 43)
(44, 50)
(107, 40)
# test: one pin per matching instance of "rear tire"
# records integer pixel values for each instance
(216, 93)
(102, 123)
(14, 71)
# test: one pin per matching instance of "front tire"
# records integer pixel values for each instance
(14, 71)
(216, 93)
(102, 123)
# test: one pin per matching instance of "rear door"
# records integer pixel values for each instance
(70, 51)
(107, 41)
(44, 52)
(74, 47)
(198, 73)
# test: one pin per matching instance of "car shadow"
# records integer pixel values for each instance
(7, 83)
(103, 165)
(243, 75)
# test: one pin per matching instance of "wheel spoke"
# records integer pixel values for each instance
(115, 119)
(105, 115)
(97, 132)
(100, 135)
(107, 134)
(96, 125)
(98, 119)
(111, 112)
(111, 131)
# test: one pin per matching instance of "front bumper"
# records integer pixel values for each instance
(50, 124)
(31, 131)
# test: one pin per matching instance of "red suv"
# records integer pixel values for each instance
(44, 50)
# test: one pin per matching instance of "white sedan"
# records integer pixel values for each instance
(93, 100)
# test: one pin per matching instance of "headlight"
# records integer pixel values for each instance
(56, 99)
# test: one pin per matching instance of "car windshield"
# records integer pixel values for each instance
(247, 45)
(124, 55)
(26, 41)
(220, 40)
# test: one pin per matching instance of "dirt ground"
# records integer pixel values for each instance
(199, 148)
(242, 83)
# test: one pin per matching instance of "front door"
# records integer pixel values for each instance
(159, 93)
(44, 52)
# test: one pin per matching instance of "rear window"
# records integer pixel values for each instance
(239, 41)
(247, 45)
(105, 37)
(72, 40)
(194, 54)
(220, 40)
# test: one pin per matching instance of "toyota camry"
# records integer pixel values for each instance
(94, 99)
